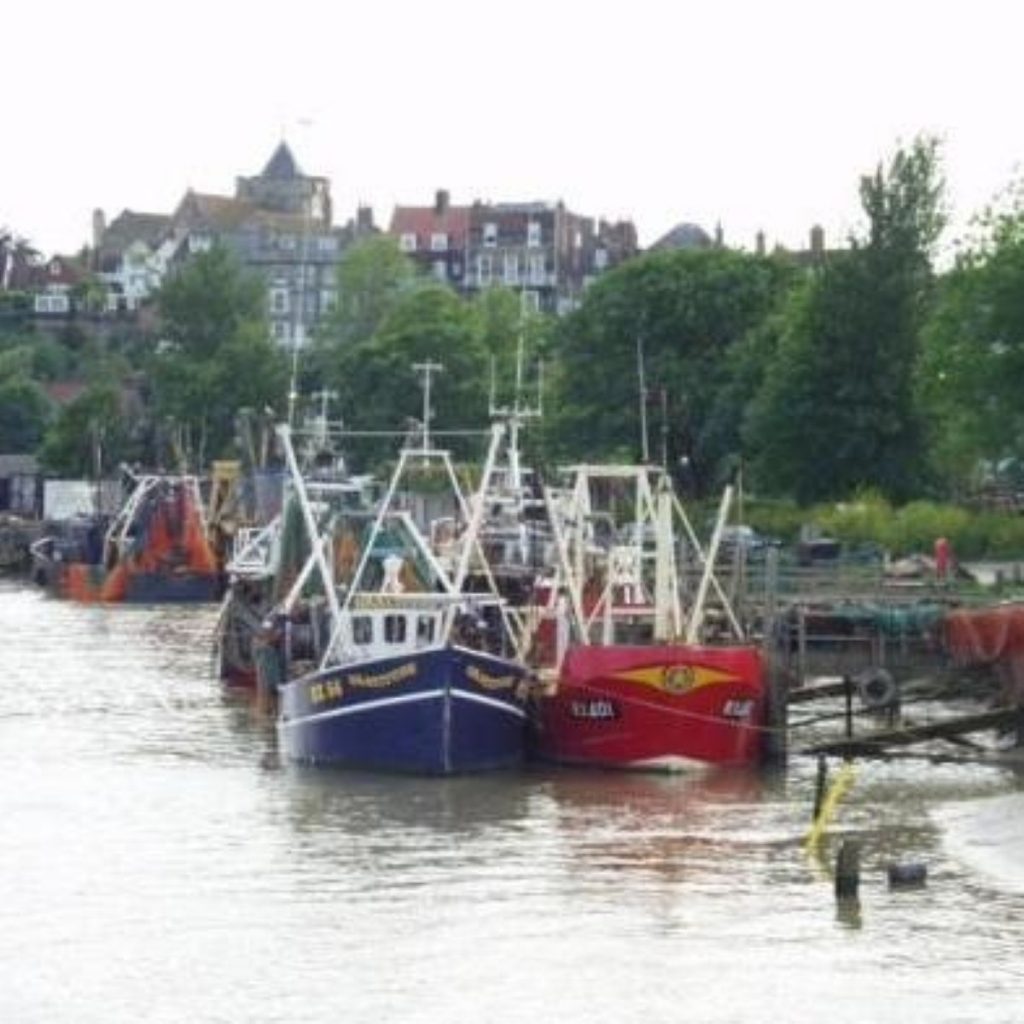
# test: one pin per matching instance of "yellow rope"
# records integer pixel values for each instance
(840, 785)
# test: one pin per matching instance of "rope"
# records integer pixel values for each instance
(678, 712)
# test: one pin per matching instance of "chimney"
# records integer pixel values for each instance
(759, 243)
(364, 220)
(442, 200)
(719, 236)
(817, 241)
(99, 227)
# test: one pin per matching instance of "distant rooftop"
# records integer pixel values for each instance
(282, 165)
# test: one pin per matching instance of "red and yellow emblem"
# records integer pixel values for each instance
(677, 679)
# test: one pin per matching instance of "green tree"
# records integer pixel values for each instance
(683, 311)
(375, 380)
(373, 276)
(90, 429)
(216, 354)
(24, 413)
(972, 369)
(837, 411)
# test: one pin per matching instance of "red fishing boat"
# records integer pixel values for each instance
(633, 681)
(155, 550)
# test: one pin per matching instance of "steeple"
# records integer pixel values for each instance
(282, 165)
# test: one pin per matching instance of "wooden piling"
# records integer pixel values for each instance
(848, 871)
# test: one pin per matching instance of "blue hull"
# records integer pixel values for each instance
(436, 712)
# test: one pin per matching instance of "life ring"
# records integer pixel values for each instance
(877, 689)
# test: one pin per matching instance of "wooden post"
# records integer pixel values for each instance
(848, 871)
(848, 697)
(819, 786)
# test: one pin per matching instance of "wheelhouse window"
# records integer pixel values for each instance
(394, 629)
(362, 629)
(425, 629)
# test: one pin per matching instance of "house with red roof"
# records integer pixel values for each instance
(544, 251)
(434, 237)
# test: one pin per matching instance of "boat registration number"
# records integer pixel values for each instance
(593, 709)
(737, 708)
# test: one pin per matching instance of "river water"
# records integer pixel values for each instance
(158, 863)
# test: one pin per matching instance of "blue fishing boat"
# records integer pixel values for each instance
(414, 671)
(408, 697)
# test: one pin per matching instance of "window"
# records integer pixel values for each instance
(490, 234)
(440, 269)
(483, 270)
(533, 235)
(531, 300)
(278, 300)
(286, 241)
(438, 241)
(537, 275)
(511, 268)
(281, 331)
(328, 300)
(394, 629)
(407, 243)
(425, 629)
(52, 304)
(362, 629)
(601, 259)
(327, 243)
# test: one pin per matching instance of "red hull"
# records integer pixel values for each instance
(659, 706)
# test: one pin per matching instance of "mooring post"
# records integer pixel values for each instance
(848, 697)
(848, 871)
(819, 787)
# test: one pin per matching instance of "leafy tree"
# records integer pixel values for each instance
(24, 413)
(683, 311)
(15, 250)
(375, 379)
(506, 329)
(216, 354)
(836, 412)
(372, 277)
(972, 369)
(93, 425)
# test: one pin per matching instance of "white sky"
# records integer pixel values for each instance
(757, 113)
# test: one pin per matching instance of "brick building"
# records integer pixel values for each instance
(540, 249)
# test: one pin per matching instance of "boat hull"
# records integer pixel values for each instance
(441, 711)
(666, 707)
(79, 581)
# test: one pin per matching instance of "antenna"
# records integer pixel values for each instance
(646, 454)
(664, 429)
(518, 412)
(325, 397)
(427, 369)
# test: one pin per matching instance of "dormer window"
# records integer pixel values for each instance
(407, 242)
(533, 234)
(439, 241)
(490, 234)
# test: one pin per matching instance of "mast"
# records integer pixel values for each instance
(427, 370)
(642, 384)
